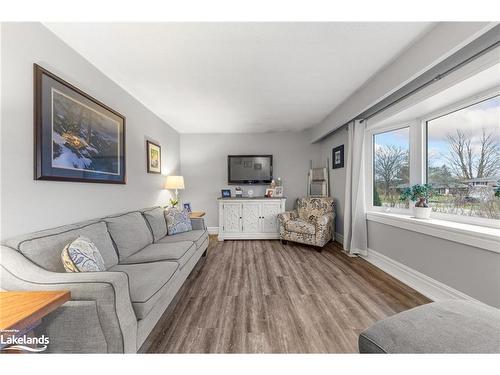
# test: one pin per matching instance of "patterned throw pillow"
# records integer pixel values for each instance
(177, 221)
(81, 255)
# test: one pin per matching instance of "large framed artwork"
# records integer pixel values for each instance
(154, 157)
(77, 138)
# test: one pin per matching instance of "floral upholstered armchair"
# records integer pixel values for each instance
(311, 223)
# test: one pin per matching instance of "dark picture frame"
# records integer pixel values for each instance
(153, 151)
(187, 206)
(338, 157)
(226, 193)
(76, 137)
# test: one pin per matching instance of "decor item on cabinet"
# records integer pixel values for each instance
(419, 194)
(272, 185)
(77, 138)
(174, 182)
(187, 207)
(312, 222)
(252, 218)
(153, 157)
(278, 191)
(238, 192)
(226, 193)
(338, 157)
(269, 193)
(250, 193)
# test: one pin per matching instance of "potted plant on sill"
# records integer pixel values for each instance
(418, 194)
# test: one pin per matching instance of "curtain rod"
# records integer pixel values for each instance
(473, 51)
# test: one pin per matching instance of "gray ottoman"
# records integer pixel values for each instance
(439, 327)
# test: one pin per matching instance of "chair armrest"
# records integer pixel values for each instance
(198, 223)
(324, 228)
(110, 291)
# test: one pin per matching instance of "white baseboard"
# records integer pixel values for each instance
(213, 230)
(433, 289)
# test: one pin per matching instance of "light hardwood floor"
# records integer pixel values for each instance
(265, 297)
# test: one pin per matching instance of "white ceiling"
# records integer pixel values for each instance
(240, 77)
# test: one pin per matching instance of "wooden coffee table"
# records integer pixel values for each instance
(20, 312)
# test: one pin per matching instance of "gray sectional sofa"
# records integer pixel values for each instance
(115, 310)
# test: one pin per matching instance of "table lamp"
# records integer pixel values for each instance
(174, 182)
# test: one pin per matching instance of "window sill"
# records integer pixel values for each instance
(478, 236)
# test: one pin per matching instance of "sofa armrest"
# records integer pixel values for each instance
(198, 223)
(109, 290)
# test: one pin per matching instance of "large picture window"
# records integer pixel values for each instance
(463, 160)
(391, 156)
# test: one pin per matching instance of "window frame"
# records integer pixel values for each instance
(418, 152)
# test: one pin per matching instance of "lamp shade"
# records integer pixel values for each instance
(174, 182)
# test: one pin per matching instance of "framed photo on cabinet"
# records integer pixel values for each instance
(77, 138)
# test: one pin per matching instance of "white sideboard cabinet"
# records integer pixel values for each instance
(249, 218)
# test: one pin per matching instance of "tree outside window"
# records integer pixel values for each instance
(463, 160)
(391, 165)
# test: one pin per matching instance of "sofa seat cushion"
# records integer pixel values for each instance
(179, 252)
(44, 247)
(300, 226)
(452, 326)
(129, 232)
(196, 236)
(146, 281)
(157, 222)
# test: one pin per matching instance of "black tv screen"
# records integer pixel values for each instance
(250, 169)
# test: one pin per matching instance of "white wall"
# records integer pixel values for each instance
(337, 176)
(28, 205)
(204, 165)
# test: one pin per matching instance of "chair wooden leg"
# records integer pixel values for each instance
(283, 242)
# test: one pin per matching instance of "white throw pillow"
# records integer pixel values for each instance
(82, 255)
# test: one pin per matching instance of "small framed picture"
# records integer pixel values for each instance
(338, 157)
(187, 207)
(269, 193)
(226, 193)
(154, 157)
(278, 191)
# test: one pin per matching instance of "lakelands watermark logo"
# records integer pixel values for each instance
(10, 340)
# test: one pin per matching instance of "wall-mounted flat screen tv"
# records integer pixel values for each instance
(249, 169)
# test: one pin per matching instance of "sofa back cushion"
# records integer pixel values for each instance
(44, 248)
(129, 232)
(309, 209)
(157, 223)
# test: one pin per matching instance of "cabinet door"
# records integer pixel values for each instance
(270, 211)
(251, 217)
(232, 214)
